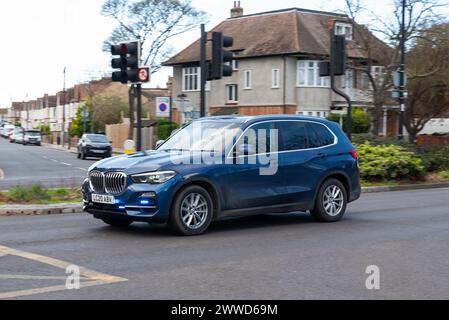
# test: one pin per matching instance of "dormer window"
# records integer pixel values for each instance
(342, 28)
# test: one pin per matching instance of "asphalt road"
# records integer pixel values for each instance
(26, 165)
(405, 234)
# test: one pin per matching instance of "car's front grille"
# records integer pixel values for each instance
(115, 182)
(110, 182)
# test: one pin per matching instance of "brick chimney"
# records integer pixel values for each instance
(237, 11)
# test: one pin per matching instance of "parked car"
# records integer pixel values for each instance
(317, 171)
(32, 137)
(94, 145)
(17, 136)
(8, 130)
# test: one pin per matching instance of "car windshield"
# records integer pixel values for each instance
(205, 136)
(97, 138)
(33, 133)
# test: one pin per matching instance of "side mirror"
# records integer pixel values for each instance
(246, 150)
(159, 143)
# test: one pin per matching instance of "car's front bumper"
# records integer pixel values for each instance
(139, 202)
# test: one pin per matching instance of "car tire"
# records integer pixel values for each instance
(79, 155)
(192, 211)
(83, 155)
(117, 223)
(331, 202)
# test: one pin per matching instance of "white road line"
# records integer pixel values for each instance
(66, 164)
(83, 169)
(95, 278)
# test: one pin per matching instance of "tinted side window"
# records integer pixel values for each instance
(319, 136)
(293, 135)
(259, 137)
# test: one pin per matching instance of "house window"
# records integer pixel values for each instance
(275, 78)
(248, 80)
(232, 93)
(348, 80)
(344, 29)
(191, 79)
(377, 72)
(309, 75)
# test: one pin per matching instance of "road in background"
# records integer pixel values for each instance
(27, 165)
(405, 234)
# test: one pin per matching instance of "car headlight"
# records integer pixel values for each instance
(153, 177)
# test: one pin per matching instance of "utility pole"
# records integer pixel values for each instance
(203, 71)
(63, 110)
(402, 88)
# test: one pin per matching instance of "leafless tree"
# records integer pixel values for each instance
(154, 23)
(421, 14)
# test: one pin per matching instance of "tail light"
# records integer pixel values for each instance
(355, 154)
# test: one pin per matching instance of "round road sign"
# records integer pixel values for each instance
(143, 75)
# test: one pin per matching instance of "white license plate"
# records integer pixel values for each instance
(98, 198)
(97, 151)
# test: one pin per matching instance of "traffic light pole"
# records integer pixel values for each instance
(337, 90)
(139, 117)
(203, 71)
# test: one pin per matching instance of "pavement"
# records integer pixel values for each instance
(404, 234)
(48, 166)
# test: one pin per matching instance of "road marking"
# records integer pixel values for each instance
(94, 278)
(83, 169)
(2, 174)
(66, 164)
(27, 277)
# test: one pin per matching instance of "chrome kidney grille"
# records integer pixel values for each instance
(110, 182)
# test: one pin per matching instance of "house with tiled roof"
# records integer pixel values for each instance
(276, 66)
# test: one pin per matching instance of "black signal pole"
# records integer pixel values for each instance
(203, 71)
(402, 88)
(334, 87)
(139, 117)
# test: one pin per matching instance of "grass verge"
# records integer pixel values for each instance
(39, 195)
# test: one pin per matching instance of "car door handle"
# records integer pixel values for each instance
(322, 155)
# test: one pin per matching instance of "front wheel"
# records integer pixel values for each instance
(192, 211)
(331, 202)
(117, 223)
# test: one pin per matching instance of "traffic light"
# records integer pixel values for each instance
(338, 58)
(339, 55)
(218, 67)
(128, 63)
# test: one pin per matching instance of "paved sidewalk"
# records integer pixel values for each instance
(37, 210)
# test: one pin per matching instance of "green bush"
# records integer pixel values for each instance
(389, 163)
(435, 159)
(27, 194)
(361, 120)
(380, 141)
(163, 131)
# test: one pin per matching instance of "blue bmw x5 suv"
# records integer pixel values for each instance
(229, 167)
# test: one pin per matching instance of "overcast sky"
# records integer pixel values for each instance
(39, 38)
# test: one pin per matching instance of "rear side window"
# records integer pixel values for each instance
(319, 136)
(293, 135)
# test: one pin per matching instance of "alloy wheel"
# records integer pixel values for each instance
(194, 211)
(333, 201)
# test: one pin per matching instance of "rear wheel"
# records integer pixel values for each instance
(331, 202)
(192, 211)
(117, 223)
